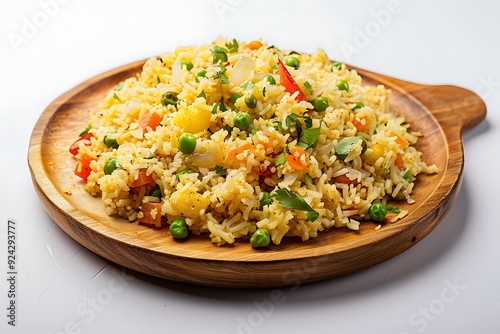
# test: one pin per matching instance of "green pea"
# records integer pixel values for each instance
(187, 143)
(111, 165)
(320, 103)
(110, 142)
(179, 229)
(242, 121)
(292, 62)
(336, 66)
(251, 101)
(269, 78)
(234, 97)
(199, 74)
(187, 63)
(169, 98)
(260, 238)
(357, 105)
(343, 85)
(346, 145)
(265, 200)
(182, 172)
(155, 192)
(377, 211)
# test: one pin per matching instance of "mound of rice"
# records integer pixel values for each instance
(222, 183)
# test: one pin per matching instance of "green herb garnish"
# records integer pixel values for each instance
(86, 131)
(232, 47)
(280, 160)
(219, 54)
(222, 107)
(308, 86)
(221, 170)
(119, 86)
(247, 85)
(222, 74)
(309, 137)
(214, 108)
(290, 200)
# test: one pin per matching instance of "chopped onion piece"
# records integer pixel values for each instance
(203, 160)
(176, 71)
(242, 71)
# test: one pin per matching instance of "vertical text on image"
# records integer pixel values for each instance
(11, 272)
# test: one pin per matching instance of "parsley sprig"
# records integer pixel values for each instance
(221, 170)
(222, 74)
(308, 136)
(219, 54)
(232, 47)
(290, 200)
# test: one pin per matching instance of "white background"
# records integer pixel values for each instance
(447, 283)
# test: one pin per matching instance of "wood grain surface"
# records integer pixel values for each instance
(442, 112)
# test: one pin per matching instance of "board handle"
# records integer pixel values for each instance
(451, 104)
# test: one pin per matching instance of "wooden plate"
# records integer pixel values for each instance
(442, 112)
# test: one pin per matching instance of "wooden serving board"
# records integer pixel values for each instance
(441, 112)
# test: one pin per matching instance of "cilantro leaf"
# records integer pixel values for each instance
(278, 126)
(202, 94)
(290, 200)
(232, 47)
(116, 97)
(221, 170)
(295, 119)
(312, 215)
(290, 119)
(308, 121)
(222, 74)
(219, 54)
(309, 137)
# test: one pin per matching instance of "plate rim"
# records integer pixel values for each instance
(64, 208)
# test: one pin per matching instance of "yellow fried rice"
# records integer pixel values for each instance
(233, 167)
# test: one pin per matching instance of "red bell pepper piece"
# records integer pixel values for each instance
(76, 145)
(287, 81)
(83, 169)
